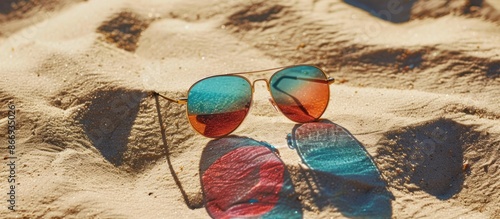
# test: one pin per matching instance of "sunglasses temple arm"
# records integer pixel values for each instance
(179, 101)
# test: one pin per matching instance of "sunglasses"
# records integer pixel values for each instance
(217, 105)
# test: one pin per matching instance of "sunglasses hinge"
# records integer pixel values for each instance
(330, 80)
(179, 101)
(182, 100)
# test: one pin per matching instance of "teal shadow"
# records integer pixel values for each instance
(343, 172)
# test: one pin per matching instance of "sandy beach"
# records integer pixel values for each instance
(416, 98)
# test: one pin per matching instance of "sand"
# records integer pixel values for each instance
(89, 144)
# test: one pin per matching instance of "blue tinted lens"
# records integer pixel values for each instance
(217, 105)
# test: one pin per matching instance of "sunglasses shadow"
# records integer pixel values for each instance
(245, 178)
(193, 202)
(340, 173)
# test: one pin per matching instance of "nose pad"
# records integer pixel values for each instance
(290, 141)
(274, 104)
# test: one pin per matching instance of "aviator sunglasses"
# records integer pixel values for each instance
(218, 104)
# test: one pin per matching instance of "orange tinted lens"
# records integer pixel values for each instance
(217, 105)
(301, 92)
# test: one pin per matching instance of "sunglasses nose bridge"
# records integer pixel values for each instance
(261, 79)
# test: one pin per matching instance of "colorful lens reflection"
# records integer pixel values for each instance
(245, 178)
(317, 143)
(217, 105)
(358, 190)
(300, 92)
(243, 183)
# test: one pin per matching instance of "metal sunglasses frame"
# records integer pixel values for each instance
(184, 100)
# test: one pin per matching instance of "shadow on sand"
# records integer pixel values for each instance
(429, 156)
(108, 122)
(341, 173)
(396, 11)
(245, 178)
